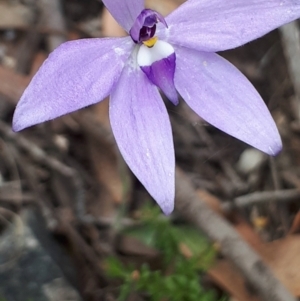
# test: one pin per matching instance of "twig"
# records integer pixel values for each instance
(40, 156)
(41, 218)
(108, 221)
(279, 211)
(52, 18)
(89, 124)
(274, 173)
(258, 275)
(26, 51)
(291, 178)
(281, 196)
(18, 238)
(235, 179)
(36, 153)
(81, 248)
(291, 44)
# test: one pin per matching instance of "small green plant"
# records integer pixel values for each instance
(185, 256)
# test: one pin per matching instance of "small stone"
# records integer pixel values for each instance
(250, 160)
(27, 271)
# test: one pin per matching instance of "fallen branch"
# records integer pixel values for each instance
(40, 156)
(290, 34)
(233, 247)
(278, 196)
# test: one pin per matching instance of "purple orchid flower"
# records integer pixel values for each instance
(175, 54)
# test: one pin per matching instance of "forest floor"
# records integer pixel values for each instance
(77, 225)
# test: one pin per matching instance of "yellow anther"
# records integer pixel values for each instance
(151, 42)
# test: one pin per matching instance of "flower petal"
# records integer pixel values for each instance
(125, 11)
(216, 25)
(158, 63)
(142, 129)
(144, 27)
(222, 95)
(76, 74)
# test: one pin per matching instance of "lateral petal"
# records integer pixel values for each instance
(125, 11)
(142, 129)
(222, 95)
(216, 25)
(75, 75)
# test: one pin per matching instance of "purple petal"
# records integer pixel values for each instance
(161, 74)
(142, 129)
(222, 95)
(158, 63)
(76, 74)
(144, 26)
(125, 11)
(215, 25)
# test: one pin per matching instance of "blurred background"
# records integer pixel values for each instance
(75, 224)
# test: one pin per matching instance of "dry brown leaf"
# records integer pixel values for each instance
(132, 246)
(223, 272)
(247, 232)
(280, 256)
(283, 256)
(12, 84)
(106, 163)
(15, 15)
(295, 228)
(227, 277)
(212, 201)
(185, 250)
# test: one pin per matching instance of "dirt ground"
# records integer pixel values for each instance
(66, 182)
